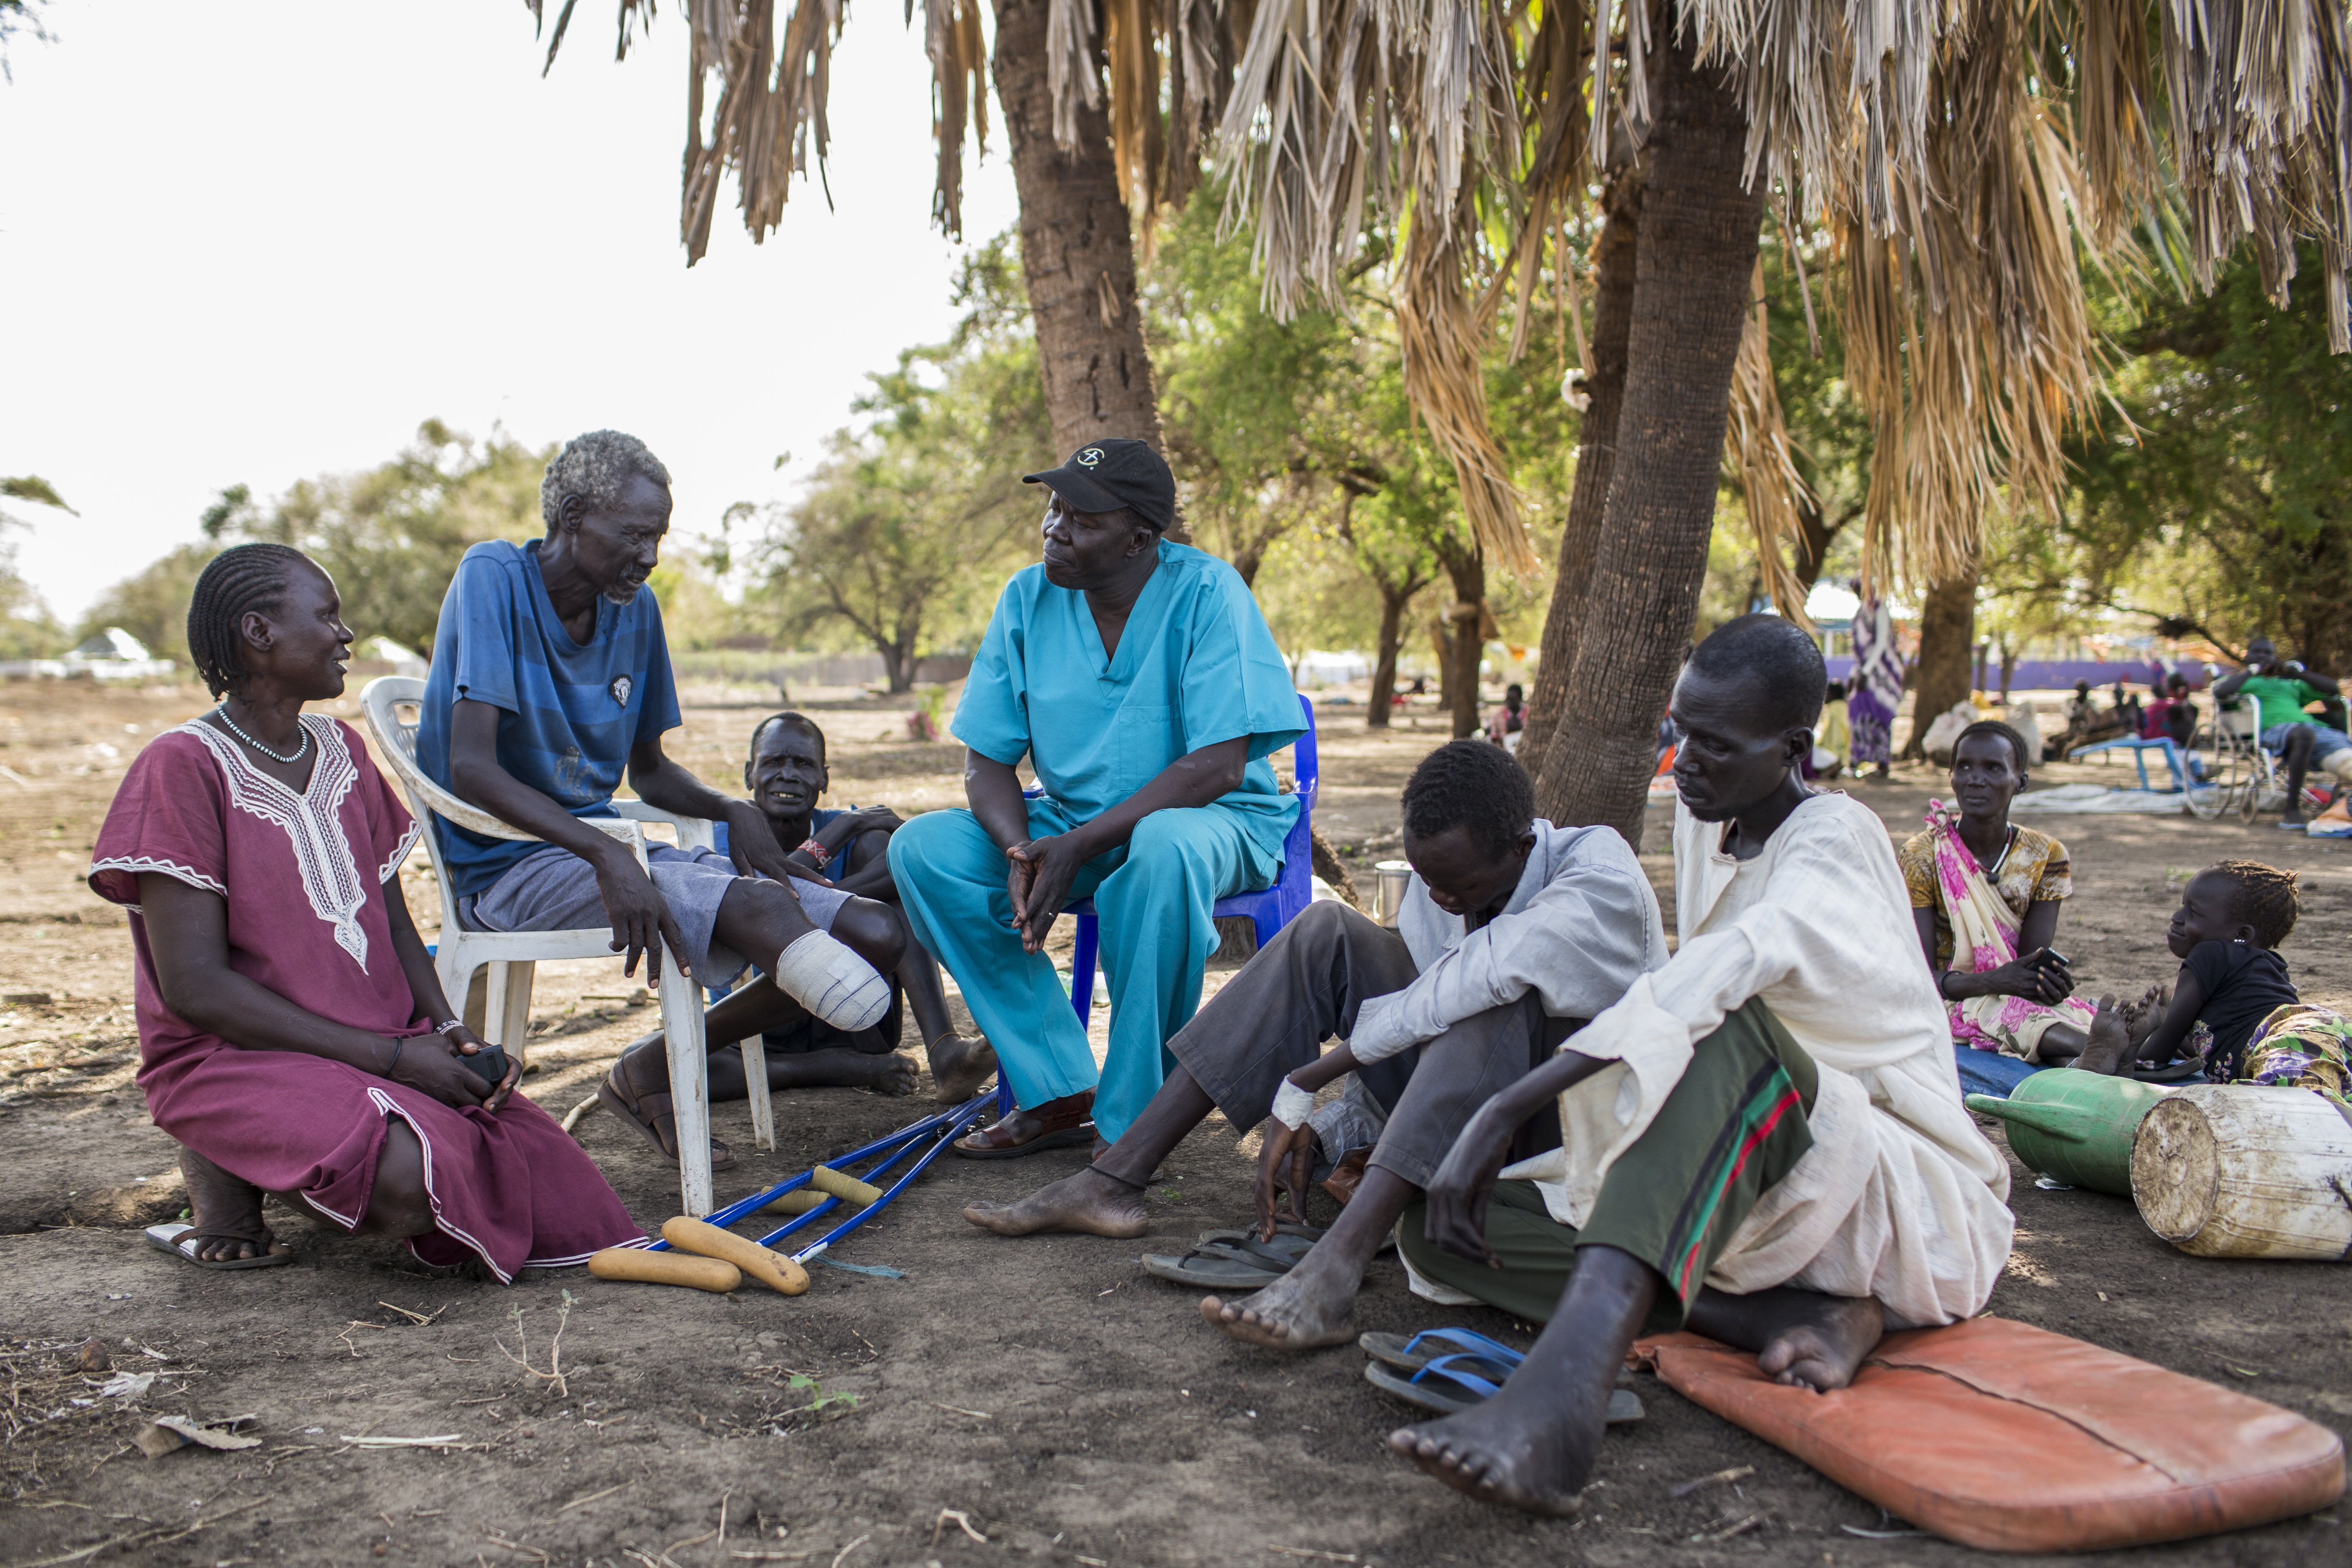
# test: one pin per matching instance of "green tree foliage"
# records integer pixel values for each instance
(27, 630)
(152, 606)
(2225, 508)
(910, 525)
(391, 536)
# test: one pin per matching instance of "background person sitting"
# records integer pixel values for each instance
(786, 775)
(1139, 680)
(1985, 895)
(1505, 725)
(549, 683)
(2281, 689)
(2172, 716)
(293, 1034)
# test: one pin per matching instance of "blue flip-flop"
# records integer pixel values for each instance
(1452, 1383)
(1412, 1354)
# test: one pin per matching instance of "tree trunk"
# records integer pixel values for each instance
(1695, 252)
(1947, 628)
(1464, 624)
(1077, 251)
(1392, 605)
(1596, 457)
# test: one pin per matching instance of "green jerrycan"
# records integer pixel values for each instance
(2076, 1127)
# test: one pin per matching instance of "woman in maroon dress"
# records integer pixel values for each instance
(293, 1034)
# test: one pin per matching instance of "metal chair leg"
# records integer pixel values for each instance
(690, 1084)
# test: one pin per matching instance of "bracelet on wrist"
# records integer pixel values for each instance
(447, 1025)
(398, 1045)
(816, 852)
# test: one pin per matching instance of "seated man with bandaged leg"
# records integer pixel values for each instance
(551, 683)
(1762, 1143)
(1513, 932)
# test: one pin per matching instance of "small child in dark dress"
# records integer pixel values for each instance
(2232, 1011)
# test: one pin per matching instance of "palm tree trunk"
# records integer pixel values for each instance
(1596, 457)
(1078, 250)
(1695, 252)
(1947, 628)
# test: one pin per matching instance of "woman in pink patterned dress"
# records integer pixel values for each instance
(293, 1035)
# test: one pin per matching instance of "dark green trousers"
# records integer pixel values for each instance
(1732, 1127)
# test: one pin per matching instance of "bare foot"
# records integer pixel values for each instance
(2110, 1040)
(1821, 1351)
(1085, 1201)
(892, 1075)
(960, 1065)
(1313, 1305)
(1511, 1450)
(226, 1211)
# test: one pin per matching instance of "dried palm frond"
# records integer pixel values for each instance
(959, 56)
(1442, 337)
(1968, 334)
(2260, 99)
(1757, 452)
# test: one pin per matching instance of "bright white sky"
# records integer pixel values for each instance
(259, 242)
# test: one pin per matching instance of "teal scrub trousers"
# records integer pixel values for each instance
(1153, 899)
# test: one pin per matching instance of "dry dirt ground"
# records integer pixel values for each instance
(1068, 1407)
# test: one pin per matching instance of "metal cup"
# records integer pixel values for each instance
(1391, 877)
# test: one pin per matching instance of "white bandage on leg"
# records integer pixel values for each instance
(2339, 762)
(1293, 1105)
(833, 983)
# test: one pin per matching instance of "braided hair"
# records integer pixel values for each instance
(2263, 898)
(237, 583)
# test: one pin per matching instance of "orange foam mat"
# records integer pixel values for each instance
(2011, 1439)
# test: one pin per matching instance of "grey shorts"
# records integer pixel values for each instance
(554, 890)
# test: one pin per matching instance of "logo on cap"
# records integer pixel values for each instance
(1090, 457)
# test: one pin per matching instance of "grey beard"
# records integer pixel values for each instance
(622, 593)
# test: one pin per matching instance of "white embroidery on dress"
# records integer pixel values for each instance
(322, 852)
(134, 864)
(391, 867)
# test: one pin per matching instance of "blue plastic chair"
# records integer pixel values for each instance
(1270, 909)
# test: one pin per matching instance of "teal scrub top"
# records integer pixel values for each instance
(1197, 664)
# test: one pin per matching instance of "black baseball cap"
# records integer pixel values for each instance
(1104, 476)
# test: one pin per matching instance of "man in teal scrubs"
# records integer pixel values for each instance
(1140, 681)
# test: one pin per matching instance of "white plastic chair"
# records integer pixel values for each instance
(513, 956)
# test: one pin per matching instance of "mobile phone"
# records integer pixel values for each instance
(490, 1061)
(2051, 956)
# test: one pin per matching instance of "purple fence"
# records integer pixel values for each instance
(2060, 675)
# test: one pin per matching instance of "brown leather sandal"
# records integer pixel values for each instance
(644, 1113)
(1057, 1124)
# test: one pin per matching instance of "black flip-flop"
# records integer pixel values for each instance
(1233, 1259)
(640, 1112)
(182, 1241)
(1453, 1384)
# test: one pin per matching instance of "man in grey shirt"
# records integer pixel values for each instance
(1512, 934)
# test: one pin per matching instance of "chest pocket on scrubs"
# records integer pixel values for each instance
(1142, 741)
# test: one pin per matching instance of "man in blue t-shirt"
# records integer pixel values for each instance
(551, 684)
(2280, 690)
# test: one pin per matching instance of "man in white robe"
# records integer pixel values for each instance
(1763, 1141)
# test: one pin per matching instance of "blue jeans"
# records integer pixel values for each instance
(2325, 741)
(1990, 1072)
